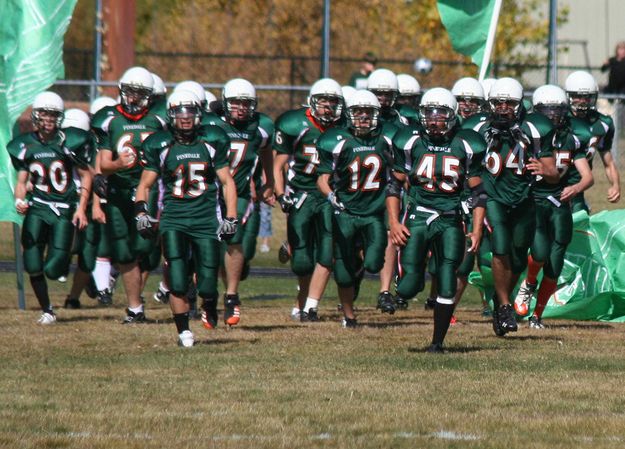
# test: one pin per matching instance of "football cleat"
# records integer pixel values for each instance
(536, 323)
(296, 314)
(284, 255)
(506, 318)
(161, 295)
(524, 298)
(47, 318)
(62, 279)
(132, 317)
(71, 303)
(386, 303)
(209, 314)
(232, 309)
(349, 323)
(309, 317)
(429, 303)
(435, 348)
(185, 339)
(486, 312)
(105, 297)
(401, 303)
(499, 331)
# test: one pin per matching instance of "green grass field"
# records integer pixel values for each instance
(90, 382)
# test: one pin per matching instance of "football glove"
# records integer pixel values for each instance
(227, 228)
(100, 185)
(334, 201)
(147, 226)
(286, 203)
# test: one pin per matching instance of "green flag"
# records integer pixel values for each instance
(467, 22)
(31, 50)
(592, 283)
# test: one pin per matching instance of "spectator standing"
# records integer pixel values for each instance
(359, 78)
(616, 67)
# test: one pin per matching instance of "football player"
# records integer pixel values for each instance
(518, 150)
(309, 219)
(46, 158)
(120, 132)
(250, 145)
(352, 178)
(408, 98)
(436, 163)
(582, 90)
(189, 160)
(554, 220)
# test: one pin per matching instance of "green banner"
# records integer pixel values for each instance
(31, 59)
(592, 283)
(467, 22)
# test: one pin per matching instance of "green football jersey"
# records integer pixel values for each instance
(296, 135)
(51, 165)
(358, 166)
(473, 121)
(246, 142)
(506, 178)
(567, 148)
(188, 176)
(437, 171)
(159, 107)
(600, 129)
(411, 114)
(120, 132)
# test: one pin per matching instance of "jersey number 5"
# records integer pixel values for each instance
(190, 181)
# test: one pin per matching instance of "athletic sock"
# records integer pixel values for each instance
(101, 274)
(182, 321)
(135, 310)
(443, 311)
(547, 288)
(311, 303)
(40, 287)
(533, 268)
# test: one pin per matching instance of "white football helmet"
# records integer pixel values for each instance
(409, 90)
(582, 91)
(348, 91)
(159, 86)
(363, 110)
(438, 111)
(76, 118)
(49, 102)
(551, 101)
(101, 102)
(487, 83)
(239, 98)
(194, 87)
(383, 83)
(506, 99)
(135, 88)
(183, 103)
(329, 90)
(470, 96)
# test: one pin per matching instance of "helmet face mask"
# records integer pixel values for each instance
(411, 100)
(363, 119)
(239, 98)
(184, 113)
(134, 99)
(240, 109)
(556, 113)
(581, 103)
(327, 109)
(437, 121)
(505, 110)
(386, 98)
(468, 106)
(48, 112)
